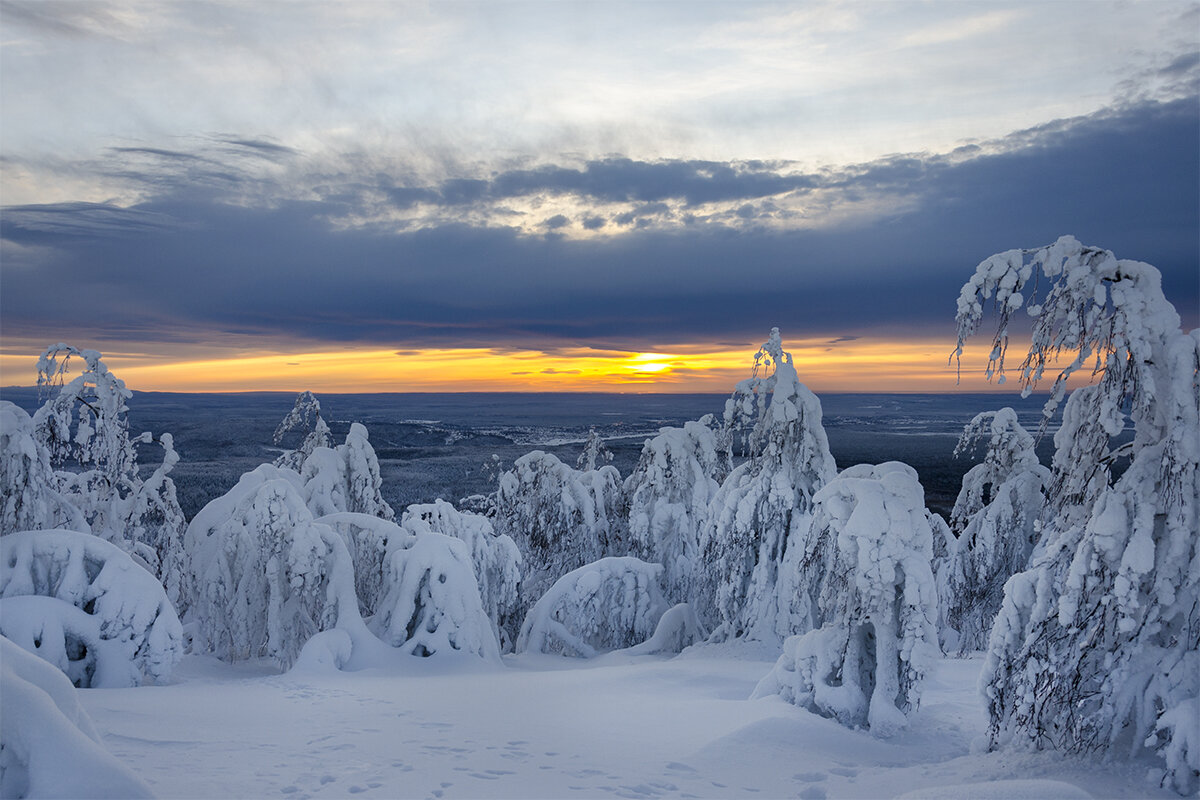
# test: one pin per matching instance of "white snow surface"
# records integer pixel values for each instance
(543, 726)
(48, 746)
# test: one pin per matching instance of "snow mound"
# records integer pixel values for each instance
(609, 604)
(48, 746)
(677, 629)
(97, 615)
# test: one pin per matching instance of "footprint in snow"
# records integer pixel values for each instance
(676, 766)
(813, 793)
(327, 779)
(809, 777)
(845, 772)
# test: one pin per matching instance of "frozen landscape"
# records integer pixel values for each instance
(560, 399)
(737, 614)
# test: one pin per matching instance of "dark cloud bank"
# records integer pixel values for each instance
(189, 261)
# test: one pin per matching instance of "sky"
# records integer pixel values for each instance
(370, 196)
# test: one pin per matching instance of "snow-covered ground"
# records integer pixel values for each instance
(548, 726)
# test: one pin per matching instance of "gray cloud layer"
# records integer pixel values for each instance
(221, 246)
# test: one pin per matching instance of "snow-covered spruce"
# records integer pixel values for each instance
(877, 603)
(265, 576)
(763, 509)
(48, 745)
(676, 477)
(594, 452)
(607, 605)
(431, 605)
(28, 486)
(995, 518)
(83, 605)
(495, 557)
(559, 517)
(345, 478)
(304, 416)
(1096, 645)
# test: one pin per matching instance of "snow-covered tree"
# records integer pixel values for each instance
(764, 508)
(84, 424)
(606, 605)
(265, 576)
(366, 538)
(560, 518)
(495, 557)
(1097, 644)
(154, 521)
(48, 745)
(431, 605)
(876, 603)
(996, 520)
(28, 486)
(676, 477)
(83, 605)
(305, 416)
(594, 454)
(345, 478)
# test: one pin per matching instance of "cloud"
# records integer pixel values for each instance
(267, 255)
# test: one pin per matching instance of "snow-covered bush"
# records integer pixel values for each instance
(877, 603)
(677, 628)
(345, 478)
(431, 605)
(606, 605)
(764, 508)
(48, 745)
(669, 492)
(1095, 647)
(366, 539)
(265, 576)
(28, 486)
(559, 517)
(995, 517)
(96, 614)
(495, 557)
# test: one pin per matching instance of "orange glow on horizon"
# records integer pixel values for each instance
(861, 365)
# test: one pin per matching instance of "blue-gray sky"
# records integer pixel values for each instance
(235, 176)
